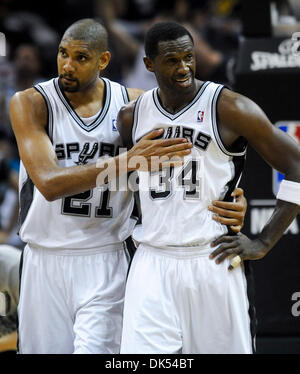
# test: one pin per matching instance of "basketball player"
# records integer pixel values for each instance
(75, 264)
(177, 299)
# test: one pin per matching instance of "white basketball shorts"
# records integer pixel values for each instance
(180, 301)
(71, 301)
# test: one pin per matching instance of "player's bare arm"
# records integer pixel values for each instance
(28, 115)
(125, 123)
(239, 116)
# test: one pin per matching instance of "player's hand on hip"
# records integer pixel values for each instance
(237, 245)
(231, 213)
(151, 154)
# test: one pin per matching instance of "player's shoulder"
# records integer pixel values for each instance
(28, 104)
(125, 121)
(28, 97)
(126, 112)
(134, 93)
(233, 102)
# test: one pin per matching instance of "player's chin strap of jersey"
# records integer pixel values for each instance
(289, 191)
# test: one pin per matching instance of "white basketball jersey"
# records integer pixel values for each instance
(174, 202)
(90, 219)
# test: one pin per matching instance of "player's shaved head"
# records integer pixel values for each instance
(90, 31)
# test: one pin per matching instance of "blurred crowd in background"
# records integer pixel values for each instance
(33, 31)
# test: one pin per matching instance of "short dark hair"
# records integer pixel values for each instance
(161, 32)
(89, 30)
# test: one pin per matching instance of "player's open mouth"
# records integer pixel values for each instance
(186, 81)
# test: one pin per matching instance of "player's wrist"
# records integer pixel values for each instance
(263, 244)
(289, 191)
(124, 162)
(132, 160)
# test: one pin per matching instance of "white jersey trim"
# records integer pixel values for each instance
(135, 118)
(49, 111)
(125, 94)
(215, 126)
(156, 101)
(171, 116)
(75, 116)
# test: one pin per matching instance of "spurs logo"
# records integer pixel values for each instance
(85, 155)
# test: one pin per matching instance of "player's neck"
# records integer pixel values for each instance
(173, 101)
(89, 101)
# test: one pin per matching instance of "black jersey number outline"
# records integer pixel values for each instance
(78, 205)
(188, 178)
(165, 184)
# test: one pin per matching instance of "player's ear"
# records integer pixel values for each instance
(104, 60)
(148, 63)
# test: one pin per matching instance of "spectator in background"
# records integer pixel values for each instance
(9, 255)
(24, 26)
(127, 42)
(25, 71)
(28, 66)
(9, 296)
(219, 22)
(9, 206)
(9, 280)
